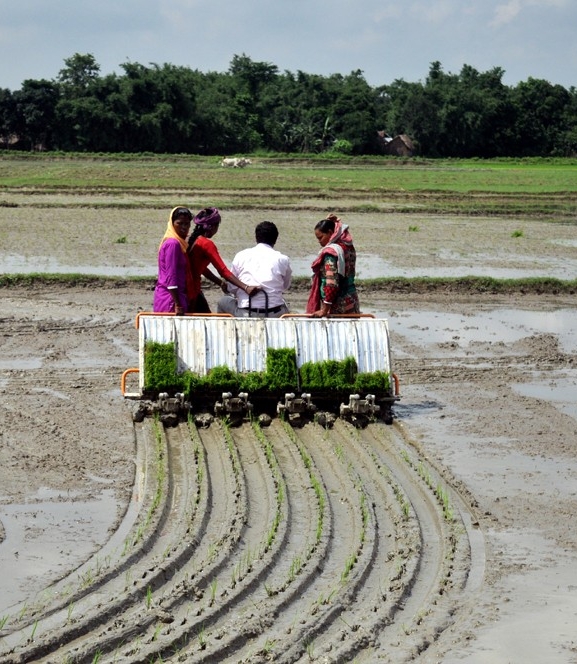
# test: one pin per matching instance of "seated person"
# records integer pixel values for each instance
(262, 266)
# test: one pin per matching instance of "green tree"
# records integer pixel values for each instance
(35, 121)
(7, 117)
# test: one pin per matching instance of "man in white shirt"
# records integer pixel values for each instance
(261, 266)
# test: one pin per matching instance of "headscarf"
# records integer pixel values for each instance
(171, 232)
(207, 218)
(341, 236)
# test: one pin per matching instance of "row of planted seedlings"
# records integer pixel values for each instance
(66, 610)
(237, 573)
(358, 564)
(455, 565)
(360, 457)
(188, 606)
(392, 567)
(330, 382)
(344, 568)
(280, 537)
(159, 570)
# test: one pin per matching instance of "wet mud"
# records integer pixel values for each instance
(447, 536)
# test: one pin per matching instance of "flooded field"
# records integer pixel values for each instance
(487, 416)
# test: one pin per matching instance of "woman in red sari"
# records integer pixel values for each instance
(333, 289)
(202, 252)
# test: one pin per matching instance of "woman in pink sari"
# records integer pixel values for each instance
(333, 289)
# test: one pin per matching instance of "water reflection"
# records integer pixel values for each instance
(561, 392)
(16, 264)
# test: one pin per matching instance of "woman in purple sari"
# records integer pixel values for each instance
(170, 294)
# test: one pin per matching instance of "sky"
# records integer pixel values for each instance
(386, 40)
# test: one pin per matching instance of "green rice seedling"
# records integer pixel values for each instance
(202, 638)
(121, 240)
(157, 631)
(212, 549)
(295, 568)
(345, 622)
(413, 229)
(248, 557)
(281, 369)
(405, 509)
(97, 657)
(213, 585)
(148, 597)
(517, 233)
(87, 579)
(160, 367)
(3, 621)
(443, 496)
(310, 649)
(349, 564)
(339, 452)
(69, 612)
(34, 628)
(270, 591)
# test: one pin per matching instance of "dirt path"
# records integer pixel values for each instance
(450, 536)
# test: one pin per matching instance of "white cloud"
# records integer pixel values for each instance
(507, 12)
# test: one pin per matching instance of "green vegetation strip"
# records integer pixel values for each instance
(470, 284)
(303, 173)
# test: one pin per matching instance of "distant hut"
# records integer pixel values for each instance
(399, 146)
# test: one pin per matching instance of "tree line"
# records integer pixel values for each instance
(254, 107)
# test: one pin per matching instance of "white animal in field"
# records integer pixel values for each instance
(235, 162)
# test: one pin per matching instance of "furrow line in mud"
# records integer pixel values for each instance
(198, 623)
(472, 369)
(139, 557)
(361, 543)
(378, 595)
(445, 568)
(273, 587)
(90, 579)
(294, 563)
(170, 602)
(346, 539)
(20, 328)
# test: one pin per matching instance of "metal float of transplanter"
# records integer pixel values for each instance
(170, 409)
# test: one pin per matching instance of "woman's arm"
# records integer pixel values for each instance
(225, 273)
(329, 285)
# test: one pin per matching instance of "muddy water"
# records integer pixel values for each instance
(468, 331)
(444, 263)
(521, 467)
(46, 537)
